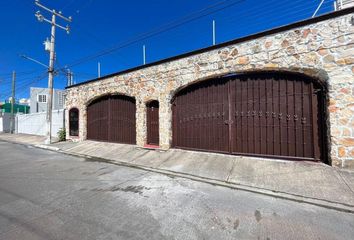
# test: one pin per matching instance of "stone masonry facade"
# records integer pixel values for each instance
(323, 50)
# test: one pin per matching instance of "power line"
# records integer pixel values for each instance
(23, 87)
(80, 29)
(288, 13)
(266, 18)
(162, 29)
(266, 14)
(23, 84)
(20, 73)
(251, 14)
(24, 80)
(99, 41)
(29, 86)
(318, 8)
(278, 17)
(38, 78)
(67, 5)
(189, 18)
(264, 8)
(262, 13)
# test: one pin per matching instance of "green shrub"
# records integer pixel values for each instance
(62, 134)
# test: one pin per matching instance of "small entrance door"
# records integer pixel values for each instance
(74, 122)
(153, 123)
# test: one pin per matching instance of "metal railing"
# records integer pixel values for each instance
(341, 4)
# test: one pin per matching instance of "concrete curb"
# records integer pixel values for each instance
(47, 147)
(233, 185)
(268, 192)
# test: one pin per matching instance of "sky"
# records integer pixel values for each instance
(170, 28)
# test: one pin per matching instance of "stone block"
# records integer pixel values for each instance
(243, 60)
(342, 152)
(346, 141)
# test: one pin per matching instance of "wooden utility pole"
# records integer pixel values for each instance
(51, 50)
(69, 76)
(12, 122)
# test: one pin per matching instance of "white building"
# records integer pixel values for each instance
(39, 97)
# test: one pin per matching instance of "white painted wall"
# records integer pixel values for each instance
(5, 119)
(35, 123)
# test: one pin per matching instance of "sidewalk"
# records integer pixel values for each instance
(309, 182)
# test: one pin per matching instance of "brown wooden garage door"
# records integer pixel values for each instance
(112, 118)
(264, 114)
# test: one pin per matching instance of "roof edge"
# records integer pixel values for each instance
(228, 43)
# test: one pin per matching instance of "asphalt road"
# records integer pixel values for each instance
(48, 195)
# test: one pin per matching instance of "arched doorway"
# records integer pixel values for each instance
(112, 119)
(152, 123)
(257, 114)
(74, 122)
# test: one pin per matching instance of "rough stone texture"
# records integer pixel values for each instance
(323, 50)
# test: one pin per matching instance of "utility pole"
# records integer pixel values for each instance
(214, 37)
(69, 76)
(12, 122)
(53, 23)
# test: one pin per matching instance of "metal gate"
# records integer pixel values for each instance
(264, 114)
(153, 123)
(200, 113)
(112, 118)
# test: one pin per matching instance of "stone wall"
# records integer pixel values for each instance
(323, 50)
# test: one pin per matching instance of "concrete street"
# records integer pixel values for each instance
(49, 195)
(302, 181)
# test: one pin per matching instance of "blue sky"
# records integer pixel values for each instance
(100, 25)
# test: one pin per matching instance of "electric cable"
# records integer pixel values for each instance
(164, 28)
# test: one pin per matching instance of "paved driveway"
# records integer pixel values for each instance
(48, 195)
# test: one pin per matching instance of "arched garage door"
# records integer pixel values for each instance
(263, 114)
(112, 118)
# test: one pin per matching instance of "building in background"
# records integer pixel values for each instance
(33, 121)
(24, 101)
(5, 107)
(5, 114)
(39, 97)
